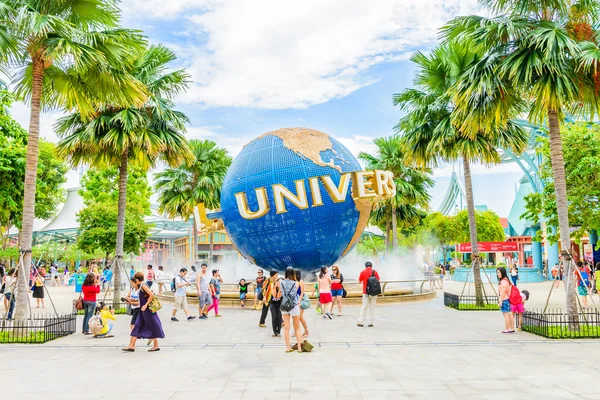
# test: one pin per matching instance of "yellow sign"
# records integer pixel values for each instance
(375, 185)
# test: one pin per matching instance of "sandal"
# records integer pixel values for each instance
(128, 350)
(290, 351)
(305, 334)
(154, 349)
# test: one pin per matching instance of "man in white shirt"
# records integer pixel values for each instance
(181, 285)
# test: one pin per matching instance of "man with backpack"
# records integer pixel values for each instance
(181, 285)
(371, 289)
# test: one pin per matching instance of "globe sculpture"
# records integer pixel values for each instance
(283, 201)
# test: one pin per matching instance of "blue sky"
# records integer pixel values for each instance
(328, 65)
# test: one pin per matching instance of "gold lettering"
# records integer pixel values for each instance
(263, 204)
(315, 191)
(363, 184)
(337, 193)
(381, 183)
(299, 199)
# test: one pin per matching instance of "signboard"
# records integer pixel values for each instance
(489, 247)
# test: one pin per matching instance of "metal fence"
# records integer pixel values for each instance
(558, 325)
(39, 329)
(470, 303)
(120, 307)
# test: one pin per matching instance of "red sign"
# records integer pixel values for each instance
(489, 247)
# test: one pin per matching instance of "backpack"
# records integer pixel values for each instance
(288, 300)
(515, 296)
(373, 285)
(95, 325)
(173, 285)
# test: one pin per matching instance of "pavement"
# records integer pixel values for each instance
(419, 350)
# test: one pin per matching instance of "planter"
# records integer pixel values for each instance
(469, 302)
(40, 329)
(557, 325)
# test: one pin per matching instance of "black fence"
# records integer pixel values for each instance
(39, 329)
(470, 303)
(558, 325)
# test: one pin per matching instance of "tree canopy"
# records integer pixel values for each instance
(489, 228)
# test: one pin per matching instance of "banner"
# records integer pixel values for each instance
(489, 247)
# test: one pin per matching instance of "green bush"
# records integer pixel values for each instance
(31, 337)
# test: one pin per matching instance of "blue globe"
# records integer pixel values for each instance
(305, 238)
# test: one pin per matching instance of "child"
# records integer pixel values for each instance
(316, 289)
(106, 315)
(243, 291)
(519, 309)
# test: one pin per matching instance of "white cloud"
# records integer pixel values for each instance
(281, 54)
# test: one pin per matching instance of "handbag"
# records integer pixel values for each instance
(154, 305)
(79, 303)
(344, 293)
(306, 346)
(305, 303)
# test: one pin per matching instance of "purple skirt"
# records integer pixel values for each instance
(147, 325)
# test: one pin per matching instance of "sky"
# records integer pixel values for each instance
(329, 65)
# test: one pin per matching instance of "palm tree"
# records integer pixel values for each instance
(181, 189)
(139, 135)
(433, 130)
(60, 51)
(550, 50)
(412, 185)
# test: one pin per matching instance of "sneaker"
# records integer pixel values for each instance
(175, 319)
(202, 317)
(218, 315)
(191, 317)
(319, 310)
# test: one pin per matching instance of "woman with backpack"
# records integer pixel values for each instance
(304, 301)
(290, 307)
(148, 324)
(325, 298)
(504, 288)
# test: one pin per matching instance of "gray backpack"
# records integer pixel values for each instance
(288, 300)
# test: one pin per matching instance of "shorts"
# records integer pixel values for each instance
(205, 299)
(243, 296)
(294, 312)
(517, 308)
(134, 315)
(181, 302)
(258, 290)
(337, 292)
(325, 298)
(505, 307)
(582, 290)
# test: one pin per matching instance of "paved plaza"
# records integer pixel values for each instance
(418, 350)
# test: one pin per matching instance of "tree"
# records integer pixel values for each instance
(370, 246)
(580, 142)
(412, 185)
(435, 130)
(50, 173)
(181, 189)
(548, 49)
(98, 219)
(489, 228)
(60, 50)
(444, 230)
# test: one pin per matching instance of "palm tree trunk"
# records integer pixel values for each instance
(473, 233)
(387, 236)
(30, 187)
(560, 190)
(120, 227)
(394, 229)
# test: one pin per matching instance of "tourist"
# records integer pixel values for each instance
(3, 285)
(131, 273)
(149, 276)
(243, 291)
(442, 276)
(304, 301)
(10, 286)
(66, 275)
(367, 310)
(95, 271)
(133, 299)
(160, 278)
(514, 274)
(204, 295)
(267, 292)
(289, 292)
(583, 283)
(107, 314)
(260, 279)
(447, 268)
(316, 291)
(38, 291)
(275, 306)
(193, 274)
(181, 285)
(147, 325)
(337, 289)
(519, 309)
(503, 296)
(55, 281)
(324, 283)
(107, 275)
(215, 290)
(90, 288)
